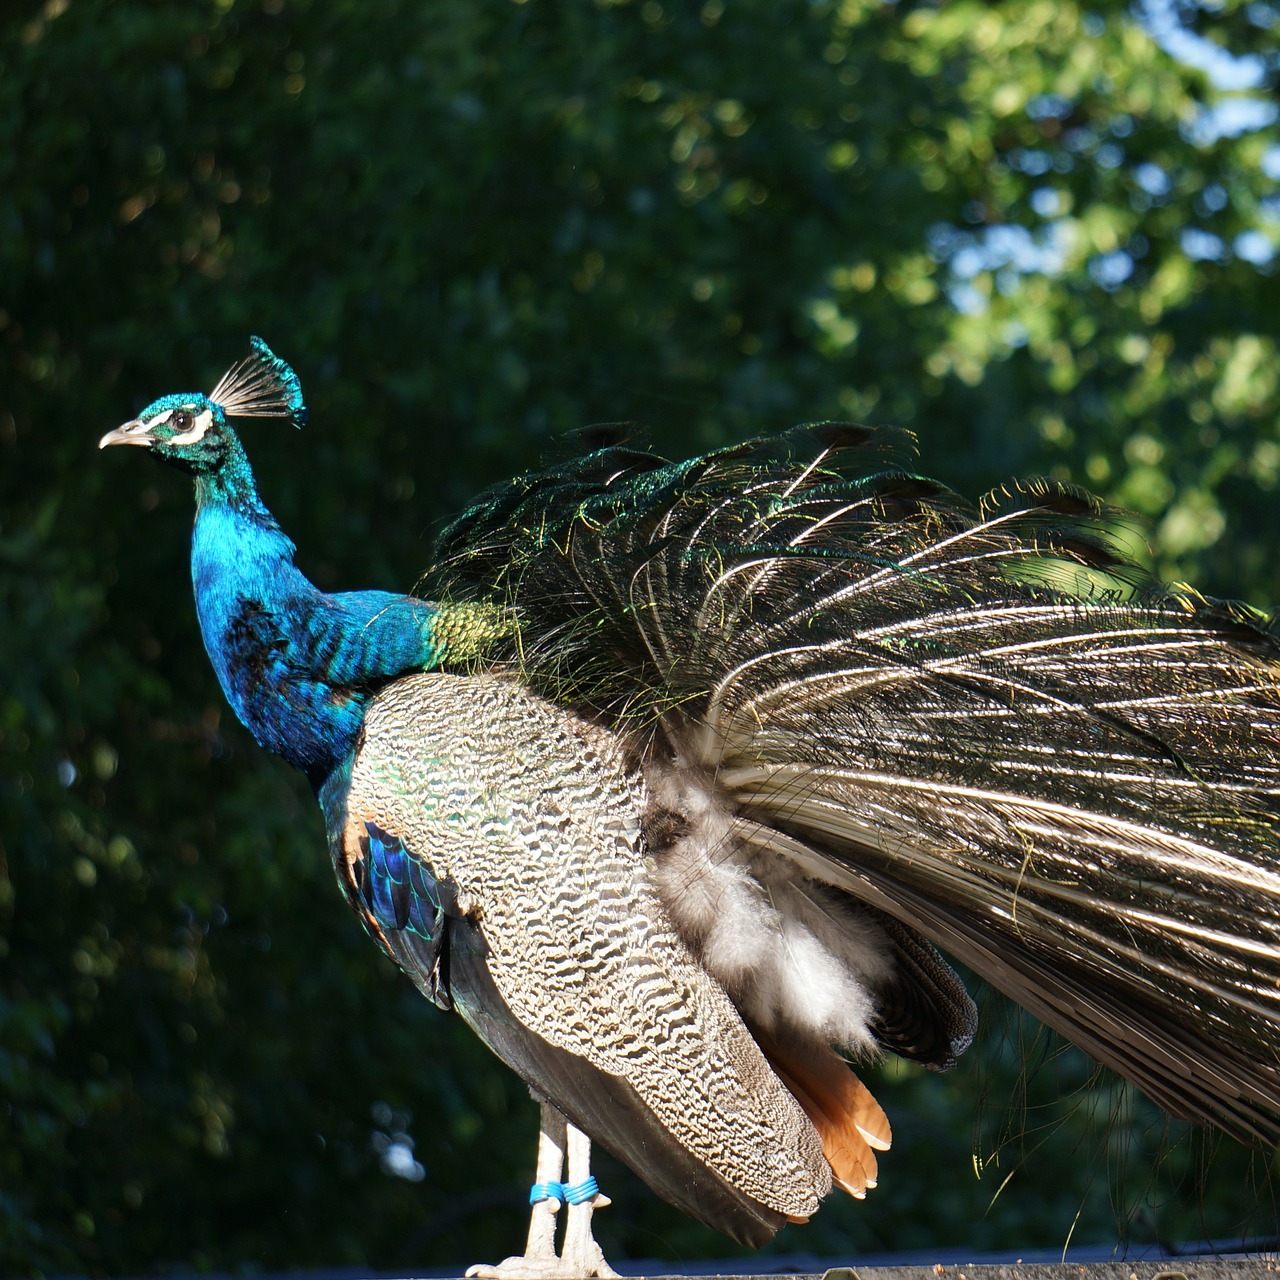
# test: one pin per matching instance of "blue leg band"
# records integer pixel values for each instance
(582, 1192)
(577, 1193)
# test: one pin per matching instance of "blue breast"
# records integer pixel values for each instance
(297, 665)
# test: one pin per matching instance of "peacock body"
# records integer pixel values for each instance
(678, 779)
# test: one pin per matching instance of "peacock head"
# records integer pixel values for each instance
(191, 430)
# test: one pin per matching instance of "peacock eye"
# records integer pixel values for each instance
(181, 420)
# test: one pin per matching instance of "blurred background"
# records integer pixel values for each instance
(1041, 235)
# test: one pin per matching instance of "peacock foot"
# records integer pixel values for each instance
(581, 1257)
(570, 1266)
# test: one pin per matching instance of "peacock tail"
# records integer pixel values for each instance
(988, 723)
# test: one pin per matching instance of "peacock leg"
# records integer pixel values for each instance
(582, 1255)
(542, 1216)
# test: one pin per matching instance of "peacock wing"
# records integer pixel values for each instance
(521, 823)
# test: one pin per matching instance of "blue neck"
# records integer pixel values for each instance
(297, 665)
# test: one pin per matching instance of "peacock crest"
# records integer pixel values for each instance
(261, 386)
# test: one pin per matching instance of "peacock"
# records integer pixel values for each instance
(677, 779)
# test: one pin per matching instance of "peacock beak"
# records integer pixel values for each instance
(135, 432)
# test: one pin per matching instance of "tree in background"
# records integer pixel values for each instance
(1041, 235)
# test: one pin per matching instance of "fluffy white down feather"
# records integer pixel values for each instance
(794, 959)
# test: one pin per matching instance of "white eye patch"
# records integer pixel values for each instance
(198, 427)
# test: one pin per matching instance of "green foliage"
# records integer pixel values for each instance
(1018, 228)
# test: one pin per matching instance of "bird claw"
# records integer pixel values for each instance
(515, 1269)
(567, 1267)
(519, 1268)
